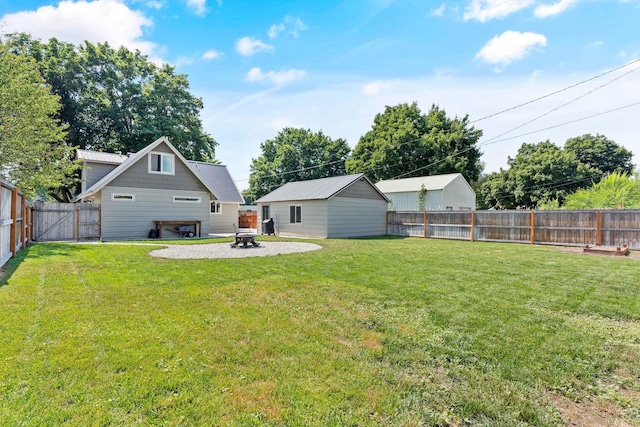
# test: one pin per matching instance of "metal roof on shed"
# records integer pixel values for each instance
(314, 189)
(431, 183)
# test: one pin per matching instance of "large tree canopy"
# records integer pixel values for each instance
(295, 155)
(403, 143)
(32, 150)
(601, 154)
(539, 172)
(117, 100)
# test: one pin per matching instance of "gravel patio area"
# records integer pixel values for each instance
(224, 250)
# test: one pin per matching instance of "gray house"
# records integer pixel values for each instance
(156, 184)
(341, 206)
(443, 192)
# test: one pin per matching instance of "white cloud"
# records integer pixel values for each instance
(291, 25)
(156, 4)
(212, 54)
(278, 78)
(275, 30)
(485, 10)
(544, 10)
(375, 88)
(198, 6)
(76, 21)
(248, 46)
(510, 46)
(439, 11)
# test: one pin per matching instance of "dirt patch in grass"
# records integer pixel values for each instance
(588, 413)
(635, 255)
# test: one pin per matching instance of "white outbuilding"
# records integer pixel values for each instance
(335, 207)
(441, 192)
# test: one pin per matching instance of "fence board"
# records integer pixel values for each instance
(568, 228)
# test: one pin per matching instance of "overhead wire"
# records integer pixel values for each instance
(494, 140)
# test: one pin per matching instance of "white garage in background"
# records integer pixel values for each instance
(443, 192)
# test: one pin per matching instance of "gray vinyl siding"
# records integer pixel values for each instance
(360, 190)
(314, 219)
(134, 219)
(357, 217)
(226, 221)
(138, 176)
(94, 172)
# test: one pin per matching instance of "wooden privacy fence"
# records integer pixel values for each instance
(66, 221)
(568, 228)
(248, 220)
(15, 222)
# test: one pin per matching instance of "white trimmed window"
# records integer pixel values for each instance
(216, 207)
(162, 163)
(186, 199)
(119, 197)
(295, 214)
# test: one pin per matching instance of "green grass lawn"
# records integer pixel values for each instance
(362, 332)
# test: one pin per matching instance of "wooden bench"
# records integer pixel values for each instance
(177, 222)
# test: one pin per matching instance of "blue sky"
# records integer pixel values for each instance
(260, 66)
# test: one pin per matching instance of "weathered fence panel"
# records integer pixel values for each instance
(66, 221)
(569, 228)
(15, 224)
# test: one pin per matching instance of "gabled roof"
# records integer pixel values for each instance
(131, 160)
(220, 180)
(315, 189)
(99, 157)
(431, 183)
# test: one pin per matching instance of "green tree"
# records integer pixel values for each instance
(117, 100)
(615, 191)
(539, 173)
(601, 154)
(296, 155)
(403, 142)
(32, 151)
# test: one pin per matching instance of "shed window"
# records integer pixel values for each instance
(216, 207)
(186, 199)
(118, 197)
(295, 214)
(161, 163)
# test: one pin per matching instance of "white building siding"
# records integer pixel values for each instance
(408, 201)
(356, 217)
(226, 221)
(459, 196)
(126, 219)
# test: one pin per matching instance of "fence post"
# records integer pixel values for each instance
(77, 223)
(386, 230)
(473, 223)
(13, 236)
(532, 233)
(100, 222)
(424, 225)
(598, 237)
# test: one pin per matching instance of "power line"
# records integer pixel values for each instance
(556, 92)
(493, 140)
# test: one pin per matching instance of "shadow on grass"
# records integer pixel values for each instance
(37, 250)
